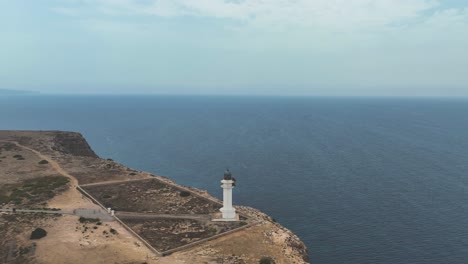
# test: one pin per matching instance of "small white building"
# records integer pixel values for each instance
(228, 212)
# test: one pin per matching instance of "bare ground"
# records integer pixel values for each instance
(68, 241)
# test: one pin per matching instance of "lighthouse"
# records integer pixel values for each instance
(227, 183)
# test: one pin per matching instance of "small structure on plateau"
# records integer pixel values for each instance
(227, 183)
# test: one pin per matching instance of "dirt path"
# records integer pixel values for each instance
(52, 163)
(69, 199)
(66, 244)
(82, 212)
(114, 182)
(203, 217)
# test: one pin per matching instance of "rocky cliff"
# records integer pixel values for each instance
(73, 144)
(69, 155)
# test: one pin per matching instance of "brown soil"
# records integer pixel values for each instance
(165, 234)
(69, 241)
(74, 242)
(150, 195)
(245, 246)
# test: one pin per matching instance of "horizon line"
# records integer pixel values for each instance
(40, 93)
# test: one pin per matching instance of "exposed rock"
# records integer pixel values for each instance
(72, 143)
(72, 152)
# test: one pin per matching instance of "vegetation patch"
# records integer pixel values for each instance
(4, 199)
(33, 191)
(38, 233)
(89, 220)
(45, 208)
(27, 250)
(13, 249)
(212, 230)
(8, 147)
(165, 234)
(266, 260)
(18, 157)
(184, 194)
(150, 195)
(113, 231)
(43, 162)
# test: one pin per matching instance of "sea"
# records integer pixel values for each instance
(358, 179)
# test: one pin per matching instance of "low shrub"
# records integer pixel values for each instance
(43, 162)
(38, 233)
(184, 194)
(4, 199)
(212, 230)
(266, 260)
(9, 147)
(242, 223)
(88, 220)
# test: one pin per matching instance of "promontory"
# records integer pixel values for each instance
(61, 203)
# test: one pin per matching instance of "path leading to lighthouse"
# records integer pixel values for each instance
(203, 217)
(70, 202)
(166, 216)
(70, 199)
(81, 212)
(183, 221)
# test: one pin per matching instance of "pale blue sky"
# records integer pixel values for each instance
(257, 47)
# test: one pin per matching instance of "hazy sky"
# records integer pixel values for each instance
(272, 47)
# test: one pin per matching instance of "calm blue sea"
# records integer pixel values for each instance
(360, 180)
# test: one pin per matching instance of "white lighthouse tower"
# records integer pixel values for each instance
(228, 182)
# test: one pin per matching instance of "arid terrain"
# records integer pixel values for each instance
(41, 171)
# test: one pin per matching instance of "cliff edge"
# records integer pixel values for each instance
(41, 172)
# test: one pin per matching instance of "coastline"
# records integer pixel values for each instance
(73, 153)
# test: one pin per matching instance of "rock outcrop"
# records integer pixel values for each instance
(73, 144)
(69, 151)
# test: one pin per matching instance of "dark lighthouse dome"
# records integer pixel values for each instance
(227, 175)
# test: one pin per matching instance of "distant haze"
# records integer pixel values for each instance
(15, 92)
(236, 47)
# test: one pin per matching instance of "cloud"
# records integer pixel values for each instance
(405, 45)
(339, 15)
(66, 11)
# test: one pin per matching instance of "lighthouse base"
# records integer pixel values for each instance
(226, 215)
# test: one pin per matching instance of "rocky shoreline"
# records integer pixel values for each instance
(73, 155)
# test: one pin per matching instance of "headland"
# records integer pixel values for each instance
(54, 181)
